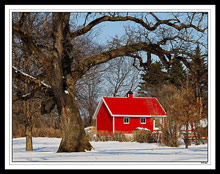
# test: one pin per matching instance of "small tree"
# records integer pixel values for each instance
(187, 110)
(171, 126)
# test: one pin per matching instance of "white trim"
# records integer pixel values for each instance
(107, 107)
(97, 109)
(160, 116)
(156, 128)
(128, 97)
(161, 106)
(113, 125)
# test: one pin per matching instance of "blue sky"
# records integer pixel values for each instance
(109, 30)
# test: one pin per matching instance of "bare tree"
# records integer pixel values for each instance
(121, 76)
(89, 88)
(182, 110)
(50, 39)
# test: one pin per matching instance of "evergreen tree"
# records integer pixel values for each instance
(198, 80)
(157, 76)
(177, 75)
(153, 79)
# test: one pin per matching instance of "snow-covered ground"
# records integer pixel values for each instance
(45, 150)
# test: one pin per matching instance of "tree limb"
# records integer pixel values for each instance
(136, 20)
(36, 84)
(28, 41)
(128, 50)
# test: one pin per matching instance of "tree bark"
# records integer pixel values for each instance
(187, 141)
(187, 136)
(73, 135)
(28, 125)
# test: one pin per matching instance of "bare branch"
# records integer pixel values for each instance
(37, 84)
(136, 20)
(28, 41)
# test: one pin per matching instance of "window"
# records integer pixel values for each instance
(157, 123)
(126, 120)
(143, 120)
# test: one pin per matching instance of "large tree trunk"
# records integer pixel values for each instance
(73, 135)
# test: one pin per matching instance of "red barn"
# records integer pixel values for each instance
(124, 114)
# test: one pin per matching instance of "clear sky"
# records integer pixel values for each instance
(109, 30)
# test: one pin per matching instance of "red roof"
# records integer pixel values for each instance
(134, 106)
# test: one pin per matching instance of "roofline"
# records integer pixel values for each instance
(107, 107)
(97, 109)
(99, 106)
(121, 115)
(116, 115)
(161, 106)
(128, 97)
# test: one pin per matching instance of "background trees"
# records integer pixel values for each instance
(60, 55)
(182, 96)
(120, 76)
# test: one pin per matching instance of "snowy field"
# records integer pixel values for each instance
(45, 150)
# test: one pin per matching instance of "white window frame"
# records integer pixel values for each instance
(144, 120)
(160, 121)
(125, 119)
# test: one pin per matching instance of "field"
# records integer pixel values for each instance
(45, 150)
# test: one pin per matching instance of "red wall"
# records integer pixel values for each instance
(134, 122)
(104, 120)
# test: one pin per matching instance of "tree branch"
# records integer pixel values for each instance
(36, 84)
(136, 20)
(108, 55)
(27, 40)
(127, 50)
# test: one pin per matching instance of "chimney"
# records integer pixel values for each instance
(130, 94)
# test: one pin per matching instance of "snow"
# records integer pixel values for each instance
(27, 75)
(141, 128)
(45, 150)
(66, 92)
(25, 95)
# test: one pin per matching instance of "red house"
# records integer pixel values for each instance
(124, 114)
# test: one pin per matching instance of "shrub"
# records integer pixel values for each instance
(46, 132)
(170, 137)
(106, 136)
(119, 136)
(36, 132)
(143, 136)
